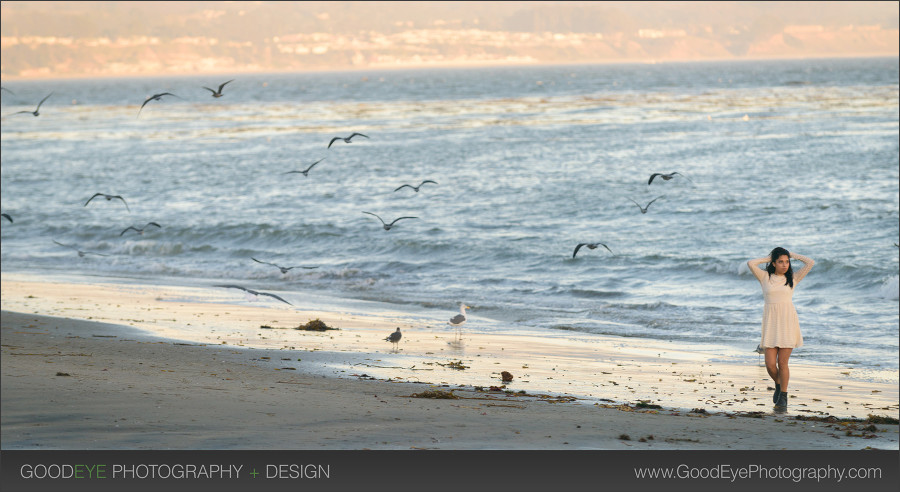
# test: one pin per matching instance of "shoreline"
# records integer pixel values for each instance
(72, 384)
(647, 389)
(602, 368)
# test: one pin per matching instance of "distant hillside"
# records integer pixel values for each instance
(115, 38)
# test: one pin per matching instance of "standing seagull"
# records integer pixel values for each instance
(387, 227)
(305, 172)
(218, 93)
(80, 253)
(108, 197)
(155, 97)
(590, 246)
(139, 231)
(345, 139)
(644, 209)
(395, 337)
(460, 319)
(7, 217)
(759, 350)
(415, 188)
(253, 292)
(283, 269)
(667, 177)
(36, 111)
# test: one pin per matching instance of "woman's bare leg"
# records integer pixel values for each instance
(784, 372)
(772, 363)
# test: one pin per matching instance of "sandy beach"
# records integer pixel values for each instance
(102, 365)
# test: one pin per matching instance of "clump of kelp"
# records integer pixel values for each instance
(315, 325)
(311, 325)
(436, 394)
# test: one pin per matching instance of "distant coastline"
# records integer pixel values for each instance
(427, 66)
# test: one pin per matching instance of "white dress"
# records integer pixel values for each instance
(780, 325)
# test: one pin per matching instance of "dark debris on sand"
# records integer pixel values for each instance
(311, 325)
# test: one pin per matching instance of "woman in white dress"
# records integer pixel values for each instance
(780, 325)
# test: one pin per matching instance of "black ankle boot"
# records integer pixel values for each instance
(782, 400)
(776, 394)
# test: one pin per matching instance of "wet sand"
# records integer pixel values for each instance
(103, 365)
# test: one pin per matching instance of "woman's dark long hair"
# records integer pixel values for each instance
(770, 267)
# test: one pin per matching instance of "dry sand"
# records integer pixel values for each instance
(120, 381)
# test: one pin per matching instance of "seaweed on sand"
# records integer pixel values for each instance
(436, 394)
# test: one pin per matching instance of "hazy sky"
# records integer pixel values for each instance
(101, 37)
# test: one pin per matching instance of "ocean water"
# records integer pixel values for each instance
(529, 162)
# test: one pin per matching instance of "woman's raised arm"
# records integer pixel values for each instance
(755, 270)
(807, 266)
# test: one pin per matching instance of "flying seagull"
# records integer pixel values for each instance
(80, 253)
(416, 188)
(7, 217)
(395, 337)
(218, 93)
(36, 111)
(644, 209)
(155, 97)
(305, 172)
(589, 246)
(345, 139)
(139, 231)
(108, 197)
(667, 177)
(460, 319)
(253, 292)
(283, 269)
(387, 227)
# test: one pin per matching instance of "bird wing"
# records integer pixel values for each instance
(312, 165)
(264, 262)
(65, 245)
(223, 85)
(123, 201)
(153, 224)
(404, 186)
(91, 198)
(273, 295)
(577, 248)
(636, 203)
(685, 177)
(127, 229)
(355, 134)
(651, 201)
(379, 218)
(42, 102)
(7, 217)
(605, 246)
(427, 181)
(401, 218)
(232, 286)
(332, 141)
(652, 176)
(145, 103)
(210, 90)
(457, 319)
